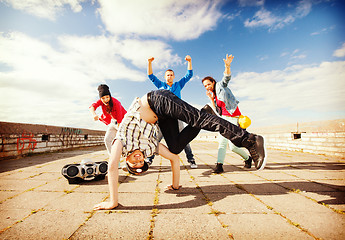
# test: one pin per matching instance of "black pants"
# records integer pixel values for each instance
(169, 108)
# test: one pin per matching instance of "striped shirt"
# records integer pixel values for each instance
(134, 133)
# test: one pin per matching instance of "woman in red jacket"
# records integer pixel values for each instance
(112, 114)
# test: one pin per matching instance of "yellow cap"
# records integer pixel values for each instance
(244, 121)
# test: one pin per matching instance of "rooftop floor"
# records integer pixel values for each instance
(297, 196)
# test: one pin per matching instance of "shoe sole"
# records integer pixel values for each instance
(265, 158)
(193, 166)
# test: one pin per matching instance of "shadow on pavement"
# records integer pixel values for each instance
(219, 192)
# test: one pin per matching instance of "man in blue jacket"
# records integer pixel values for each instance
(174, 87)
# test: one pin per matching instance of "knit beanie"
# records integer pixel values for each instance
(103, 90)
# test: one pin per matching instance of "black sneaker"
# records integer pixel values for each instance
(248, 163)
(255, 145)
(149, 161)
(208, 109)
(219, 168)
(192, 163)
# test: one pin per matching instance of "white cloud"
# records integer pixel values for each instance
(297, 89)
(45, 8)
(323, 31)
(246, 3)
(58, 83)
(294, 56)
(265, 18)
(178, 20)
(340, 52)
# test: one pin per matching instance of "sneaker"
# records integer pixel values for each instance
(192, 163)
(248, 163)
(208, 109)
(149, 161)
(255, 145)
(219, 168)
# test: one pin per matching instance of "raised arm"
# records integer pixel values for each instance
(149, 68)
(227, 62)
(113, 178)
(189, 60)
(175, 164)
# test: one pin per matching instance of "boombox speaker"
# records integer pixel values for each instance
(87, 170)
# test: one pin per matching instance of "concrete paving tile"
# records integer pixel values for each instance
(58, 185)
(5, 195)
(188, 186)
(317, 175)
(191, 226)
(263, 188)
(335, 200)
(100, 186)
(75, 201)
(323, 225)
(182, 203)
(308, 186)
(32, 200)
(46, 225)
(245, 176)
(18, 175)
(240, 204)
(261, 226)
(46, 176)
(226, 188)
(135, 201)
(275, 176)
(148, 187)
(292, 202)
(22, 185)
(339, 185)
(10, 216)
(300, 174)
(115, 225)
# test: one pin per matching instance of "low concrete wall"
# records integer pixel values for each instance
(19, 139)
(321, 137)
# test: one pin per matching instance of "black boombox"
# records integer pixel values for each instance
(86, 170)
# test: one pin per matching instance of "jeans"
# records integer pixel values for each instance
(223, 143)
(187, 149)
(110, 135)
(169, 109)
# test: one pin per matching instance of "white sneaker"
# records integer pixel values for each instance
(192, 163)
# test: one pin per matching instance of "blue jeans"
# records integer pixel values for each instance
(223, 143)
(169, 109)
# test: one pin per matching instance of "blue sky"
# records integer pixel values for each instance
(289, 63)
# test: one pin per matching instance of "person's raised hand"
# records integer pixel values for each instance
(228, 60)
(188, 58)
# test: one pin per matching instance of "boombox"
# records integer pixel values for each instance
(87, 170)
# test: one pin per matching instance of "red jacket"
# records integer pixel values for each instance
(117, 112)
